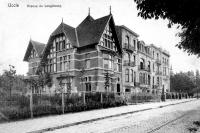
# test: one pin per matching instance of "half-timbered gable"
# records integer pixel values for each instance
(33, 55)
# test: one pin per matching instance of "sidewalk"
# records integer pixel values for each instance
(66, 120)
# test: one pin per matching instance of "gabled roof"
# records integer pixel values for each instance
(37, 46)
(69, 31)
(90, 30)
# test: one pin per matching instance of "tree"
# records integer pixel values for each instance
(8, 78)
(197, 81)
(181, 12)
(107, 77)
(181, 82)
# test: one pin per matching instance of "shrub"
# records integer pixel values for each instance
(46, 105)
(15, 113)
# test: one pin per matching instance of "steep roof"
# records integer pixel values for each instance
(90, 30)
(39, 47)
(68, 30)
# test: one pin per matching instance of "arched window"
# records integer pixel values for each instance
(142, 63)
(134, 44)
(127, 75)
(127, 41)
(149, 65)
(134, 59)
(126, 58)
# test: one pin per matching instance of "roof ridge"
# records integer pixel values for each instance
(67, 25)
(88, 17)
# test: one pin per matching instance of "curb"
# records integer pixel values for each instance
(101, 118)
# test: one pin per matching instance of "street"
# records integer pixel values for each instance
(175, 118)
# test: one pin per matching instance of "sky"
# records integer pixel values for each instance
(20, 24)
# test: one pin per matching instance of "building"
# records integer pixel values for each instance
(145, 67)
(97, 55)
(80, 56)
(128, 40)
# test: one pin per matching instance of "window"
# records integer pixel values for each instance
(149, 79)
(134, 44)
(142, 63)
(157, 56)
(153, 54)
(132, 76)
(118, 65)
(140, 78)
(61, 64)
(66, 62)
(127, 75)
(149, 65)
(61, 43)
(153, 81)
(87, 63)
(129, 58)
(108, 61)
(134, 59)
(158, 81)
(88, 84)
(127, 41)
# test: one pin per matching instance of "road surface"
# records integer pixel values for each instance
(179, 118)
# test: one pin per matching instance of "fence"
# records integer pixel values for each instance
(22, 107)
(141, 97)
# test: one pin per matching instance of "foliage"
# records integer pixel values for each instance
(49, 105)
(182, 12)
(11, 83)
(143, 97)
(181, 82)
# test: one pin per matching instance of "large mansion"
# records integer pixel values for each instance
(82, 56)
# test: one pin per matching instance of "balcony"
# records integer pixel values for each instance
(128, 47)
(127, 63)
(165, 77)
(144, 68)
(158, 73)
(158, 61)
(136, 84)
(154, 86)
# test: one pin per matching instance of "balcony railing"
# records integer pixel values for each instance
(154, 86)
(144, 68)
(136, 84)
(127, 63)
(166, 77)
(158, 73)
(128, 47)
(158, 61)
